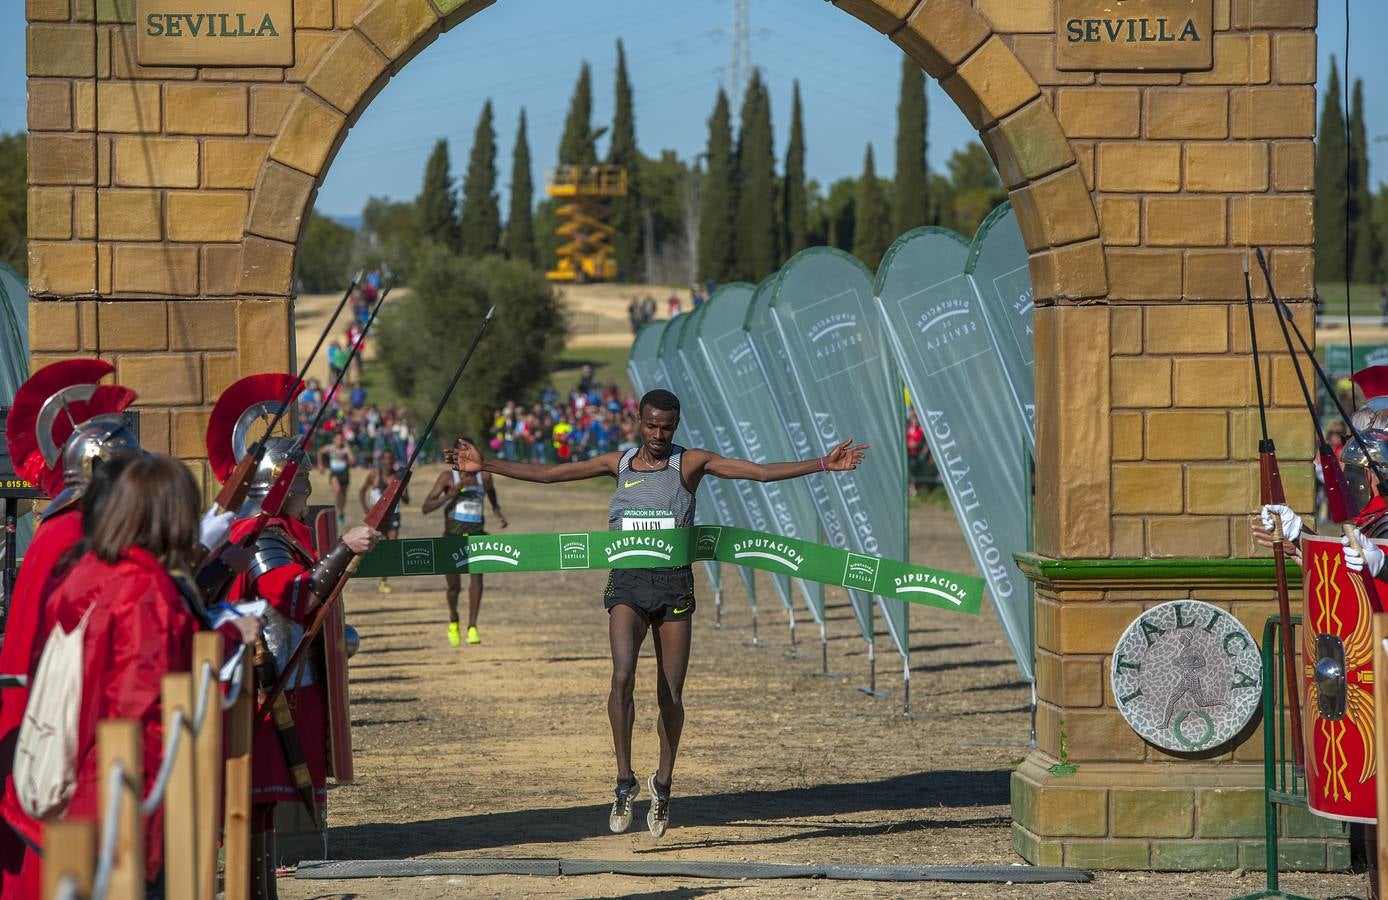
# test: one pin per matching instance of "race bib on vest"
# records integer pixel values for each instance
(337, 465)
(647, 519)
(469, 510)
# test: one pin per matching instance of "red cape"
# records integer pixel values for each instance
(140, 629)
(38, 576)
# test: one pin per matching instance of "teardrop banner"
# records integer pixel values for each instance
(773, 362)
(965, 406)
(745, 397)
(646, 373)
(701, 389)
(844, 372)
(1001, 279)
(479, 554)
(726, 504)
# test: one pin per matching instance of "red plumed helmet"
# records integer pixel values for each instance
(47, 407)
(1372, 381)
(253, 397)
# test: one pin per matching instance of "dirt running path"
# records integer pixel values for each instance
(503, 749)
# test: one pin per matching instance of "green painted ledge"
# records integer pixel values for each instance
(1103, 573)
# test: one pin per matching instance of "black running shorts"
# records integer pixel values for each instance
(658, 595)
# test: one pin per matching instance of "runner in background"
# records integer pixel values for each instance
(338, 459)
(386, 468)
(461, 498)
(654, 489)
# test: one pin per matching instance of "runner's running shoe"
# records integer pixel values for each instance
(472, 636)
(658, 816)
(455, 634)
(622, 812)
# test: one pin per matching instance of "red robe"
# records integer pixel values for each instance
(140, 629)
(286, 589)
(37, 579)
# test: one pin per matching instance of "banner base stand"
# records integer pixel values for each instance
(874, 693)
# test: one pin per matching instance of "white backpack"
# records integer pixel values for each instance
(45, 757)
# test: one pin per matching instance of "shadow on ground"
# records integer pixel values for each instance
(925, 790)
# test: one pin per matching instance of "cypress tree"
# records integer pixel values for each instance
(872, 219)
(436, 207)
(911, 191)
(520, 227)
(757, 254)
(794, 203)
(1331, 184)
(718, 197)
(481, 219)
(1363, 258)
(578, 143)
(627, 238)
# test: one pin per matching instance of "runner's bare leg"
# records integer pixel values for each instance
(455, 587)
(474, 599)
(672, 640)
(626, 630)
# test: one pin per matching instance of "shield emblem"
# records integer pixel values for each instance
(331, 649)
(1337, 685)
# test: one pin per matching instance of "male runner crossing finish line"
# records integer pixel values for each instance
(655, 489)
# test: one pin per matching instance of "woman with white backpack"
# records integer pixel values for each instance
(131, 605)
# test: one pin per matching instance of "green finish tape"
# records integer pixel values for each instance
(674, 547)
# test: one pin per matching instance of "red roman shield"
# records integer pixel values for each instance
(331, 648)
(1338, 685)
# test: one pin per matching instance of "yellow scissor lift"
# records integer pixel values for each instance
(587, 255)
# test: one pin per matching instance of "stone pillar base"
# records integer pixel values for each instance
(1181, 816)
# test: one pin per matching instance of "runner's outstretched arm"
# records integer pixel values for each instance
(843, 457)
(467, 458)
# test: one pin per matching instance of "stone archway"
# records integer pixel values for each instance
(166, 205)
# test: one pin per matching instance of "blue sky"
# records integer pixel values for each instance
(527, 53)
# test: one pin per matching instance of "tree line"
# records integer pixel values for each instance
(1351, 219)
(737, 210)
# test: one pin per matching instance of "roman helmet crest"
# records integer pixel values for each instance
(63, 423)
(255, 398)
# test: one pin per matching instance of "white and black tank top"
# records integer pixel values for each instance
(645, 501)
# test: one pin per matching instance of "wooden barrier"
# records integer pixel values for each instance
(69, 850)
(181, 848)
(240, 728)
(207, 752)
(119, 747)
(192, 801)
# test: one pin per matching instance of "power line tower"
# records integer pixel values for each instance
(740, 65)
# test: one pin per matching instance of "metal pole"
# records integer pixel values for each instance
(871, 690)
(756, 641)
(794, 649)
(11, 548)
(824, 655)
(1031, 742)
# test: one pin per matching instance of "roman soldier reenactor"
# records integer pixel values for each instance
(290, 755)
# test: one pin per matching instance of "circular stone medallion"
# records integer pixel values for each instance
(1187, 676)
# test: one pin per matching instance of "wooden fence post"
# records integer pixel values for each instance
(207, 753)
(119, 741)
(237, 832)
(181, 850)
(69, 848)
